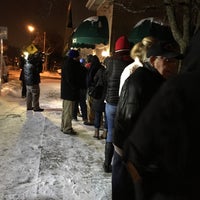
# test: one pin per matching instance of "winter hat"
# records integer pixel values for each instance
(73, 53)
(122, 44)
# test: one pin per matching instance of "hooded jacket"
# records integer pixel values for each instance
(164, 145)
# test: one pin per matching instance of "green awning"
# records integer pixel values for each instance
(150, 27)
(93, 30)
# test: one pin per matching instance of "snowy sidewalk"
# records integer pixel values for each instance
(38, 161)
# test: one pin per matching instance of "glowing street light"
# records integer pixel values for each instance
(31, 28)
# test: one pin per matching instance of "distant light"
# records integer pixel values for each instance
(105, 53)
(31, 28)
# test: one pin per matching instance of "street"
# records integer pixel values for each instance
(38, 161)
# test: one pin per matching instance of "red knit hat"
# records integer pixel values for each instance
(122, 44)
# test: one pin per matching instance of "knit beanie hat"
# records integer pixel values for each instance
(73, 53)
(122, 44)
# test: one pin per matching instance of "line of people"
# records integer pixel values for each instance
(77, 76)
(120, 103)
(155, 123)
(147, 107)
(149, 113)
(159, 62)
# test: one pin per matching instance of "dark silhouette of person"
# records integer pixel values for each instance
(22, 61)
(32, 70)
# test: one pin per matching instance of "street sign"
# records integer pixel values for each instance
(3, 32)
(31, 49)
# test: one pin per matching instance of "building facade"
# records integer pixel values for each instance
(122, 15)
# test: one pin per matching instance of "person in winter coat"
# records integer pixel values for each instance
(32, 70)
(114, 67)
(22, 61)
(83, 95)
(163, 149)
(98, 104)
(136, 93)
(95, 65)
(70, 89)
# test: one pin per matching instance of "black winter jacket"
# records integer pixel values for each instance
(136, 93)
(70, 79)
(99, 104)
(114, 67)
(95, 66)
(32, 70)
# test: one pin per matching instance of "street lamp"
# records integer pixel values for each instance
(31, 28)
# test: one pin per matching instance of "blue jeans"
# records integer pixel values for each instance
(98, 120)
(110, 115)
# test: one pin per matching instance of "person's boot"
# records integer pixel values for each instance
(104, 135)
(109, 150)
(96, 133)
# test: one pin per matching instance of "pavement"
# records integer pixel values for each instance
(38, 161)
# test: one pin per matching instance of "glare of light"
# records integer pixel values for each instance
(26, 54)
(105, 53)
(31, 28)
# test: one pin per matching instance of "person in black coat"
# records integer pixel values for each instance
(98, 103)
(70, 89)
(95, 65)
(83, 95)
(32, 70)
(136, 93)
(115, 65)
(163, 149)
(22, 61)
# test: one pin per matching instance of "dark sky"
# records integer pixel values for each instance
(16, 15)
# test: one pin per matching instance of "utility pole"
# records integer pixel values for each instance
(68, 28)
(3, 35)
(44, 50)
(1, 67)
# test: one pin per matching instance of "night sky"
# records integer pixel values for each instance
(16, 15)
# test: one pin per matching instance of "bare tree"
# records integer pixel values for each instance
(184, 19)
(183, 15)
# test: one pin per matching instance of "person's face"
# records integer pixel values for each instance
(167, 67)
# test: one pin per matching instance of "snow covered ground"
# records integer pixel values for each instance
(39, 162)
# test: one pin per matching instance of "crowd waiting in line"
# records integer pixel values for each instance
(148, 110)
